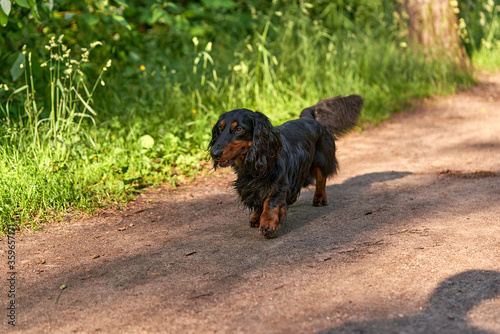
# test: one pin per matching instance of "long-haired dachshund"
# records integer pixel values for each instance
(274, 163)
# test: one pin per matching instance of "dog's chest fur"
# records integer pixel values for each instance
(253, 191)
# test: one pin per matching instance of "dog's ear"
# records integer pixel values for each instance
(215, 136)
(266, 146)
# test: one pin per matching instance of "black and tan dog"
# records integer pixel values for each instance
(274, 163)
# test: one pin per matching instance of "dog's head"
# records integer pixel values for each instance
(245, 140)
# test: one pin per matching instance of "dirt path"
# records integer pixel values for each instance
(410, 243)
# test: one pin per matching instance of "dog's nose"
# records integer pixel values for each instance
(216, 154)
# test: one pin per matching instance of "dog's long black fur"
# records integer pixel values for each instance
(274, 163)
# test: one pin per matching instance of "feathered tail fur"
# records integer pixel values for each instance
(339, 114)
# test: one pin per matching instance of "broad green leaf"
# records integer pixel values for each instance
(90, 19)
(189, 13)
(122, 3)
(146, 141)
(34, 10)
(215, 4)
(23, 3)
(6, 5)
(121, 20)
(17, 68)
(119, 185)
(173, 8)
(3, 18)
(156, 14)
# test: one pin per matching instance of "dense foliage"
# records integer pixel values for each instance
(101, 97)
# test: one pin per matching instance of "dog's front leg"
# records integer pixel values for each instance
(273, 211)
(255, 219)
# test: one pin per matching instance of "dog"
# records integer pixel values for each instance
(273, 164)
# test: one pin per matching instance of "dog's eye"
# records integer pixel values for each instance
(219, 129)
(238, 129)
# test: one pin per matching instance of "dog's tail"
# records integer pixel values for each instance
(339, 114)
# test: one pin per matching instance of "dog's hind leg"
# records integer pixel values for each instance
(320, 198)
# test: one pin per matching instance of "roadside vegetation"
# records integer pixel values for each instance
(99, 99)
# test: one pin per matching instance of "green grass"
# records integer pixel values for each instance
(82, 145)
(488, 59)
(30, 192)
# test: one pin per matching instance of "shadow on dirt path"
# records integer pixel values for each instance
(409, 243)
(446, 311)
(301, 214)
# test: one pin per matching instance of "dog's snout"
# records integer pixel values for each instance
(216, 154)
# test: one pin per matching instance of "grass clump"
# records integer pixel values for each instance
(49, 148)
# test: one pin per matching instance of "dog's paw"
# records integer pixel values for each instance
(255, 220)
(268, 228)
(254, 223)
(320, 202)
(268, 232)
(270, 219)
(320, 198)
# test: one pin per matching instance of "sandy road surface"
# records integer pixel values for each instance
(410, 243)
